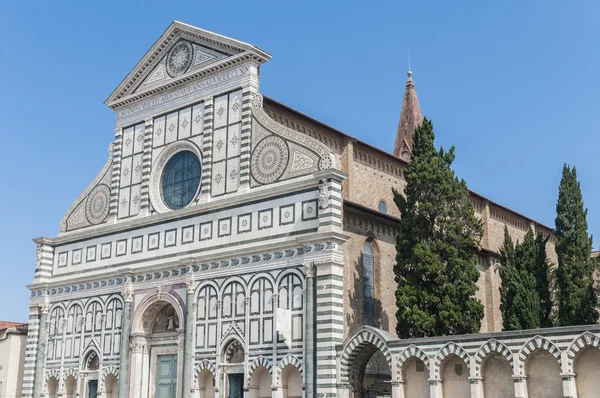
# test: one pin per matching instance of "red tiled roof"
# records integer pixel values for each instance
(6, 324)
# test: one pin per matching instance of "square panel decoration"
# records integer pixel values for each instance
(170, 237)
(206, 230)
(137, 244)
(287, 214)
(310, 210)
(265, 219)
(62, 259)
(105, 250)
(121, 247)
(76, 260)
(90, 254)
(187, 234)
(224, 227)
(244, 223)
(153, 241)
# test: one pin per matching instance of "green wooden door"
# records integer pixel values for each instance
(93, 388)
(166, 377)
(236, 384)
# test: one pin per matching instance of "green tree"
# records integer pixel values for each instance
(577, 299)
(542, 276)
(436, 246)
(519, 298)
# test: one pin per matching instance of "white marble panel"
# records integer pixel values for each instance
(159, 131)
(218, 178)
(198, 119)
(127, 146)
(219, 145)
(126, 164)
(124, 202)
(235, 106)
(220, 111)
(233, 174)
(233, 140)
(171, 133)
(185, 122)
(136, 169)
(136, 199)
(268, 330)
(138, 141)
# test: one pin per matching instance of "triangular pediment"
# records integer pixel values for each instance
(182, 54)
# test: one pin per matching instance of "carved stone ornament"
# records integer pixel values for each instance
(128, 293)
(44, 307)
(309, 270)
(179, 58)
(323, 194)
(38, 256)
(190, 284)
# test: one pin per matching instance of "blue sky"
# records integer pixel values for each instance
(513, 84)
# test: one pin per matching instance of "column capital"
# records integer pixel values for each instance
(128, 292)
(190, 284)
(44, 306)
(309, 269)
(567, 376)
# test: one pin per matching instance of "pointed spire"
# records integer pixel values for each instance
(410, 118)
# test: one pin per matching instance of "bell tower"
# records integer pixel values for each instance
(410, 118)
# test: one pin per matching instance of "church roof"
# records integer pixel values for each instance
(410, 118)
(7, 325)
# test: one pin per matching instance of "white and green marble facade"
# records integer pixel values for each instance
(248, 279)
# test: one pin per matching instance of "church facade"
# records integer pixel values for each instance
(233, 247)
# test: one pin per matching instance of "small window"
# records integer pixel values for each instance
(382, 207)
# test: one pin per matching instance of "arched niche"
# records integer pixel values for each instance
(455, 377)
(206, 384)
(543, 375)
(587, 372)
(291, 382)
(52, 387)
(497, 376)
(416, 378)
(260, 383)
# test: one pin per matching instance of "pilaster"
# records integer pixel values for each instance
(147, 166)
(520, 386)
(40, 357)
(309, 340)
(116, 175)
(188, 346)
(207, 141)
(125, 333)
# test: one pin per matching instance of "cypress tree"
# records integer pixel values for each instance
(577, 299)
(436, 246)
(519, 298)
(542, 276)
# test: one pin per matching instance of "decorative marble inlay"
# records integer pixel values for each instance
(269, 159)
(179, 58)
(97, 204)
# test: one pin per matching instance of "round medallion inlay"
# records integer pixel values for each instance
(97, 204)
(269, 159)
(179, 58)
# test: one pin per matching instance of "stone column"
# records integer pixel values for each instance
(398, 389)
(277, 389)
(40, 358)
(476, 387)
(520, 386)
(245, 391)
(309, 341)
(125, 332)
(568, 381)
(188, 344)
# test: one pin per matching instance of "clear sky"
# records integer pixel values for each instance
(513, 84)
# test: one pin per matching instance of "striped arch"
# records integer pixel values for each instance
(52, 373)
(260, 361)
(535, 343)
(204, 364)
(363, 337)
(488, 347)
(289, 359)
(449, 349)
(70, 372)
(584, 340)
(110, 369)
(409, 352)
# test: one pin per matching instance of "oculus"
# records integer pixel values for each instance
(179, 58)
(180, 180)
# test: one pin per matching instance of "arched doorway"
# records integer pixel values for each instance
(157, 352)
(232, 361)
(90, 366)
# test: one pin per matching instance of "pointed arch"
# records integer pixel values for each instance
(202, 365)
(409, 352)
(289, 359)
(260, 361)
(586, 339)
(449, 349)
(488, 347)
(537, 343)
(362, 337)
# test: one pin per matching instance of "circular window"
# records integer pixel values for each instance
(180, 180)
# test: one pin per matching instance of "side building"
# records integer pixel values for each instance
(234, 247)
